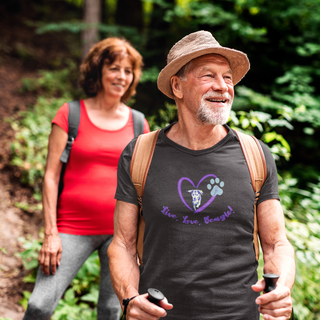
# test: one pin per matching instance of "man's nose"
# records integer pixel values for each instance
(219, 84)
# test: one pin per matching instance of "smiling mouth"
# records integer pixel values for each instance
(216, 100)
(118, 85)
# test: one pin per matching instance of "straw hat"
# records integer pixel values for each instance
(194, 45)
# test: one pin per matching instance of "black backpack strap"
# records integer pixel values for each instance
(73, 121)
(73, 125)
(138, 122)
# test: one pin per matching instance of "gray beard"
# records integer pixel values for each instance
(214, 115)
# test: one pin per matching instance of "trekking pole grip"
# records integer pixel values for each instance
(271, 281)
(155, 296)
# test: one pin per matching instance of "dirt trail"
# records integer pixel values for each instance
(14, 222)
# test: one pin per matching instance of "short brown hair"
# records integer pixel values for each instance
(107, 51)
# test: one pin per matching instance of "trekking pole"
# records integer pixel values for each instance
(271, 282)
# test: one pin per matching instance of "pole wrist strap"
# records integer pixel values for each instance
(125, 303)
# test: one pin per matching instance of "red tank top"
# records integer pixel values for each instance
(87, 203)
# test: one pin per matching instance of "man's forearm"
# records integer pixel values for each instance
(278, 253)
(280, 260)
(124, 271)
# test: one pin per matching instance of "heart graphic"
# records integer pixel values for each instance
(191, 182)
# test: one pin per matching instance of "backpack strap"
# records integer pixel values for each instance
(73, 125)
(73, 121)
(139, 167)
(256, 163)
(138, 122)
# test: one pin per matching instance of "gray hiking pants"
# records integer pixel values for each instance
(49, 289)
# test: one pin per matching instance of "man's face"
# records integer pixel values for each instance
(208, 89)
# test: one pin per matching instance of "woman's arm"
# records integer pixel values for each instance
(50, 253)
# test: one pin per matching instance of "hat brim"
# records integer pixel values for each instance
(239, 64)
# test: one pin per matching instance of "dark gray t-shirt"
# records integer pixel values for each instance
(198, 241)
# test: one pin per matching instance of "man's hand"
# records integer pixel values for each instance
(141, 308)
(50, 254)
(274, 305)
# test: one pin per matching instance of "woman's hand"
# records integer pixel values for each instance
(50, 254)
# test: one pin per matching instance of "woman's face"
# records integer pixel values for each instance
(117, 77)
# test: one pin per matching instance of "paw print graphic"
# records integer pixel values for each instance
(215, 186)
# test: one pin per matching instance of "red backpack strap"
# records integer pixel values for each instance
(139, 167)
(256, 163)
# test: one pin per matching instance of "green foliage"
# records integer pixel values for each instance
(52, 83)
(262, 124)
(30, 208)
(69, 308)
(81, 299)
(299, 93)
(25, 299)
(303, 211)
(150, 74)
(163, 118)
(87, 279)
(214, 15)
(77, 26)
(31, 139)
(30, 255)
(291, 108)
(32, 128)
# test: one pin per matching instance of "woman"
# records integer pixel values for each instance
(82, 220)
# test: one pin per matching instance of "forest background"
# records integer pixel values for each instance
(278, 101)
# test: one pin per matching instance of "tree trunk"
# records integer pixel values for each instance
(92, 15)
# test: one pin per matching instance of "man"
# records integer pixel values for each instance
(198, 205)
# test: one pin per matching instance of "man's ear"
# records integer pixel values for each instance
(176, 86)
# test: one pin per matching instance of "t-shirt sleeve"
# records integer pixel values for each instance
(61, 118)
(269, 189)
(125, 189)
(146, 126)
